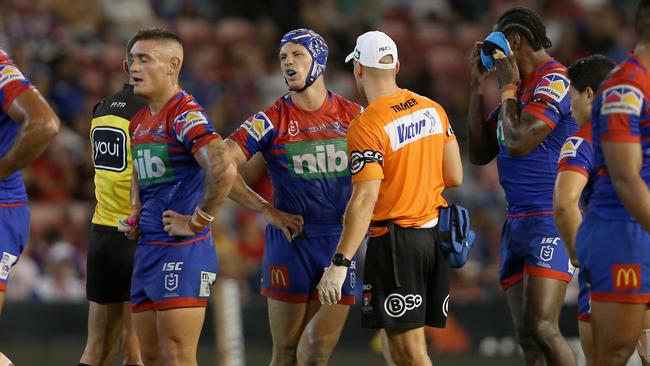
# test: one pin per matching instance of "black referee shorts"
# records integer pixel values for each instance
(109, 266)
(422, 271)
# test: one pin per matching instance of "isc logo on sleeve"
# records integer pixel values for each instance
(151, 161)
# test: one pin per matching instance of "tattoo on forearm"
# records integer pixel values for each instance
(214, 191)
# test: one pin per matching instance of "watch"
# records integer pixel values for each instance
(339, 260)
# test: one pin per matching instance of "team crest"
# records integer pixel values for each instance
(258, 126)
(293, 128)
(9, 73)
(546, 253)
(171, 281)
(624, 99)
(570, 147)
(554, 86)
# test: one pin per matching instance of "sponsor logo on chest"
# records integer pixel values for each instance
(318, 159)
(151, 162)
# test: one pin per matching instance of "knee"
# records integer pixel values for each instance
(284, 355)
(150, 354)
(542, 330)
(615, 357)
(406, 354)
(172, 348)
(315, 350)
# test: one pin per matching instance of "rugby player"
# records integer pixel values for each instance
(613, 242)
(182, 172)
(302, 137)
(525, 133)
(27, 125)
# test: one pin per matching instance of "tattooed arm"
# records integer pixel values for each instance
(220, 173)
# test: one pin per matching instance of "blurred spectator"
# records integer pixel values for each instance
(61, 282)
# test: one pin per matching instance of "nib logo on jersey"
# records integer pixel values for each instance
(318, 159)
(151, 161)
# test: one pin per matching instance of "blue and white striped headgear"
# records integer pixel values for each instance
(315, 45)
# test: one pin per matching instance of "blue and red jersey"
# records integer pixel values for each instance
(528, 181)
(12, 84)
(169, 178)
(306, 155)
(577, 155)
(620, 114)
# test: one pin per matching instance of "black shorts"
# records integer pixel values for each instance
(110, 265)
(423, 273)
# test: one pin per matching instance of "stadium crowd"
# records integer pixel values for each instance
(73, 51)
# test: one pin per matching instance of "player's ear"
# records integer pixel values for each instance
(125, 66)
(397, 65)
(174, 65)
(515, 41)
(589, 95)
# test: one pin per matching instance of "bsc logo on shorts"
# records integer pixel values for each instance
(396, 305)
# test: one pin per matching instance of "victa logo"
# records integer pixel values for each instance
(151, 161)
(626, 276)
(318, 159)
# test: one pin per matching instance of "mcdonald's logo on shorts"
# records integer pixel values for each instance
(626, 276)
(279, 277)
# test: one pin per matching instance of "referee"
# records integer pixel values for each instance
(110, 253)
(403, 154)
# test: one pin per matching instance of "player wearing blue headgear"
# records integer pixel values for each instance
(302, 137)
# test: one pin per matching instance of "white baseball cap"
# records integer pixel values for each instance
(371, 47)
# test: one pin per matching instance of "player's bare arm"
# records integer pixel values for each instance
(483, 145)
(624, 161)
(38, 126)
(241, 193)
(220, 173)
(452, 165)
(566, 209)
(522, 132)
(357, 219)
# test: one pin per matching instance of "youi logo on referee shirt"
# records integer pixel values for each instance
(318, 159)
(151, 161)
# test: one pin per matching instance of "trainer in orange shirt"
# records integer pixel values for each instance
(403, 154)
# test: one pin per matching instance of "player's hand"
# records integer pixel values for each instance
(574, 260)
(506, 68)
(129, 226)
(329, 287)
(176, 224)
(479, 72)
(290, 224)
